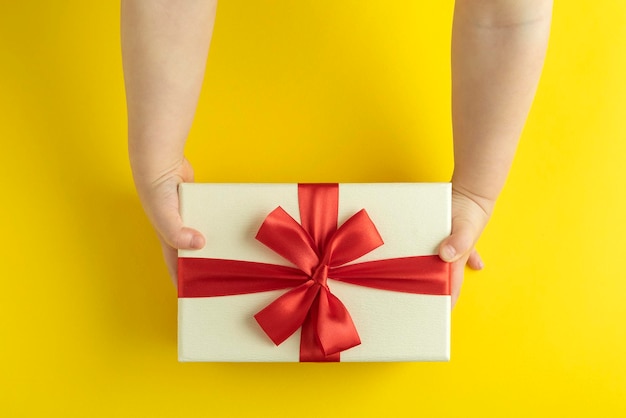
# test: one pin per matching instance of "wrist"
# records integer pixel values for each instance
(150, 167)
(484, 201)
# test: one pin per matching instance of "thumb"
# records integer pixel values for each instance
(183, 238)
(460, 243)
(175, 234)
(162, 207)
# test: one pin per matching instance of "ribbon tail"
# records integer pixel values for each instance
(310, 348)
(335, 329)
(281, 318)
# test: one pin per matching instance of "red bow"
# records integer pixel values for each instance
(320, 251)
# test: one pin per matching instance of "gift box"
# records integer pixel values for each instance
(315, 272)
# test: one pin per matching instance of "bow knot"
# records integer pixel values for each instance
(320, 275)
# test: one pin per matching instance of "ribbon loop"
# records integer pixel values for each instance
(282, 234)
(281, 318)
(355, 238)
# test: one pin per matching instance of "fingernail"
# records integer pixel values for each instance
(196, 242)
(481, 265)
(448, 252)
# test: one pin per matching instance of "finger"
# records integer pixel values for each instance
(164, 207)
(175, 233)
(457, 270)
(183, 238)
(459, 243)
(474, 261)
(170, 255)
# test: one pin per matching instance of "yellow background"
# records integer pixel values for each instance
(349, 91)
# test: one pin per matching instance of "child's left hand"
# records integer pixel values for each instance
(469, 217)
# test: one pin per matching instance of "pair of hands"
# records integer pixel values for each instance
(160, 201)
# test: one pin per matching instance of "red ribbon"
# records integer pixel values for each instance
(319, 250)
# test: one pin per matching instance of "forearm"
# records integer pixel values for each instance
(164, 49)
(498, 49)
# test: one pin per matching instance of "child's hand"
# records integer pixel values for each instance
(164, 50)
(160, 201)
(498, 49)
(469, 217)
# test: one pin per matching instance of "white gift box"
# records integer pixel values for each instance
(412, 219)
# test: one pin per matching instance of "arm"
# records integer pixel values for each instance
(498, 49)
(164, 48)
